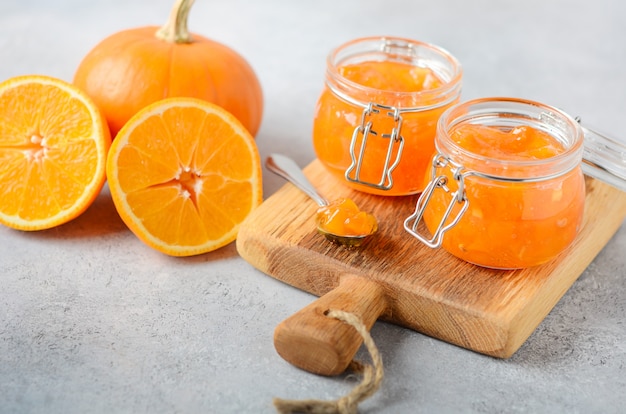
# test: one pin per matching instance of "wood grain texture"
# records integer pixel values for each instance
(489, 311)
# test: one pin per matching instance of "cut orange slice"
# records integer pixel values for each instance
(183, 174)
(53, 149)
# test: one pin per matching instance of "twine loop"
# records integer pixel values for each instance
(348, 404)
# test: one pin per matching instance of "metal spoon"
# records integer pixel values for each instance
(290, 171)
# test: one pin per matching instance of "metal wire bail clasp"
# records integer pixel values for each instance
(457, 197)
(365, 132)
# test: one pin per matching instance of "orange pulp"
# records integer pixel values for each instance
(511, 224)
(389, 83)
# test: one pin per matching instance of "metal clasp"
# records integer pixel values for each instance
(365, 132)
(457, 197)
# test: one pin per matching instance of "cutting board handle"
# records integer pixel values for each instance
(323, 345)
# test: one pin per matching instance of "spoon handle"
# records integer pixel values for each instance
(317, 343)
(290, 171)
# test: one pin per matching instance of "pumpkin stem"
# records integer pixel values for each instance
(175, 30)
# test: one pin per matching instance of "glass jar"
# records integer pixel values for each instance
(496, 210)
(376, 118)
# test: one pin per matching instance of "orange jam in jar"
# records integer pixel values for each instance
(376, 118)
(506, 188)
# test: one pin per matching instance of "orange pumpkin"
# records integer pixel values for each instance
(136, 67)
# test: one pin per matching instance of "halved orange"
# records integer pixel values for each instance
(183, 174)
(53, 149)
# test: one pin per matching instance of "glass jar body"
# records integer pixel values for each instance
(343, 111)
(513, 225)
(519, 213)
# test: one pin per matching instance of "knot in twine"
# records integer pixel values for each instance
(348, 404)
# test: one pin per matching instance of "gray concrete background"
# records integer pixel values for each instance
(91, 320)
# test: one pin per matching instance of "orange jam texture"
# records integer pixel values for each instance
(343, 218)
(511, 224)
(391, 76)
(335, 121)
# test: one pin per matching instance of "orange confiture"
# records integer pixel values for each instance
(394, 75)
(529, 213)
(343, 218)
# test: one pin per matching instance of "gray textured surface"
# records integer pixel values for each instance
(91, 320)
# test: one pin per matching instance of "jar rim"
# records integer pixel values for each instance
(401, 49)
(507, 111)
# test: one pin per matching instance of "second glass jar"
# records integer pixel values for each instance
(506, 188)
(376, 118)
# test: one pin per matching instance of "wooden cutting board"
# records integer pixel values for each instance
(397, 279)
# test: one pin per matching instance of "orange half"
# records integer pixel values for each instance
(53, 149)
(183, 174)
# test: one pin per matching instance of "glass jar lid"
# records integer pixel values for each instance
(604, 157)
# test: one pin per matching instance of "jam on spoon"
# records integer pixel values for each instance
(339, 221)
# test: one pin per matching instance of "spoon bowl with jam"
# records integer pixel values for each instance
(340, 221)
